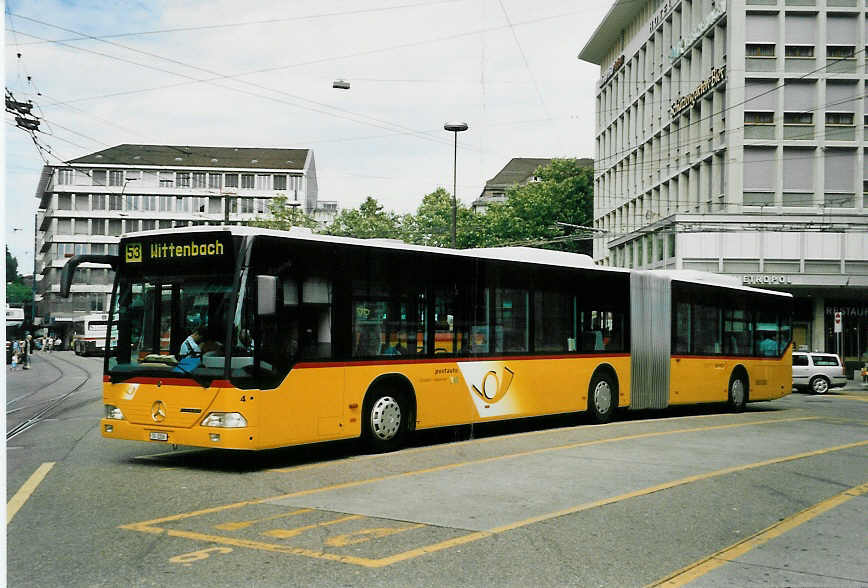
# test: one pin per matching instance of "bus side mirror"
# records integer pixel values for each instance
(68, 270)
(266, 295)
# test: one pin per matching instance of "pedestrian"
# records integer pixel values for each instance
(49, 341)
(14, 362)
(28, 351)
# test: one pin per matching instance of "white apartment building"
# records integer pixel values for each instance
(88, 203)
(730, 137)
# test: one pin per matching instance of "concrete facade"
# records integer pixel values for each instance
(730, 138)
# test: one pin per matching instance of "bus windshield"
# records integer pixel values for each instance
(172, 326)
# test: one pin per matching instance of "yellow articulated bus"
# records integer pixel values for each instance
(244, 338)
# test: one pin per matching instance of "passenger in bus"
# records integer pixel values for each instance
(768, 346)
(191, 346)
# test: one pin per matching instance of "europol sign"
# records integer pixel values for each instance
(684, 102)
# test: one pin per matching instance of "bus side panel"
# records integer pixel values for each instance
(695, 380)
(771, 378)
(476, 391)
(307, 407)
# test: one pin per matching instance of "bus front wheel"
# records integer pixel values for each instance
(386, 416)
(602, 396)
(737, 392)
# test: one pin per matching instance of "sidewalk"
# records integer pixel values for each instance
(855, 386)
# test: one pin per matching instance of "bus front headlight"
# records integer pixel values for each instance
(113, 412)
(227, 420)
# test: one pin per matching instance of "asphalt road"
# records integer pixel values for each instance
(777, 495)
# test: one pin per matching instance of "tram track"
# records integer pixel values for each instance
(50, 404)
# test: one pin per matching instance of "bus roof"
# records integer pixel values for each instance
(517, 254)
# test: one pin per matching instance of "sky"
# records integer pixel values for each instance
(259, 74)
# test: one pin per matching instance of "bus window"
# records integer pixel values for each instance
(682, 330)
(601, 330)
(511, 319)
(767, 333)
(554, 328)
(316, 327)
(706, 329)
(388, 324)
(737, 333)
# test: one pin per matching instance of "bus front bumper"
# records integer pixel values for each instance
(197, 436)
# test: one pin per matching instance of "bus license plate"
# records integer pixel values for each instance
(159, 436)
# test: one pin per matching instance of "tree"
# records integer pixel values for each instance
(284, 216)
(18, 293)
(531, 212)
(368, 221)
(432, 223)
(11, 267)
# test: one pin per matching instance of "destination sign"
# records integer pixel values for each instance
(195, 249)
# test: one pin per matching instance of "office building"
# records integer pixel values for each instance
(728, 139)
(86, 204)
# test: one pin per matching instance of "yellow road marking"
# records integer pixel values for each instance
(235, 525)
(147, 526)
(853, 397)
(365, 535)
(705, 565)
(287, 533)
(606, 501)
(27, 489)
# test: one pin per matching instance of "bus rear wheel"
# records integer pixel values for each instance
(737, 392)
(602, 396)
(386, 415)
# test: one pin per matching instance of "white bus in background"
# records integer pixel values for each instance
(89, 334)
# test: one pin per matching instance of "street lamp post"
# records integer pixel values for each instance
(455, 128)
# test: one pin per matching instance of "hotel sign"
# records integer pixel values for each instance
(665, 9)
(685, 102)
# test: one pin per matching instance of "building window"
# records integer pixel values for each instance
(247, 181)
(97, 248)
(64, 202)
(99, 201)
(261, 205)
(759, 118)
(97, 227)
(81, 227)
(182, 204)
(839, 119)
(81, 249)
(182, 179)
(82, 202)
(132, 202)
(246, 205)
(263, 182)
(149, 203)
(116, 178)
(149, 225)
(841, 51)
(798, 118)
(799, 51)
(759, 50)
(165, 203)
(198, 179)
(215, 181)
(231, 180)
(64, 177)
(280, 182)
(115, 202)
(98, 177)
(167, 179)
(215, 205)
